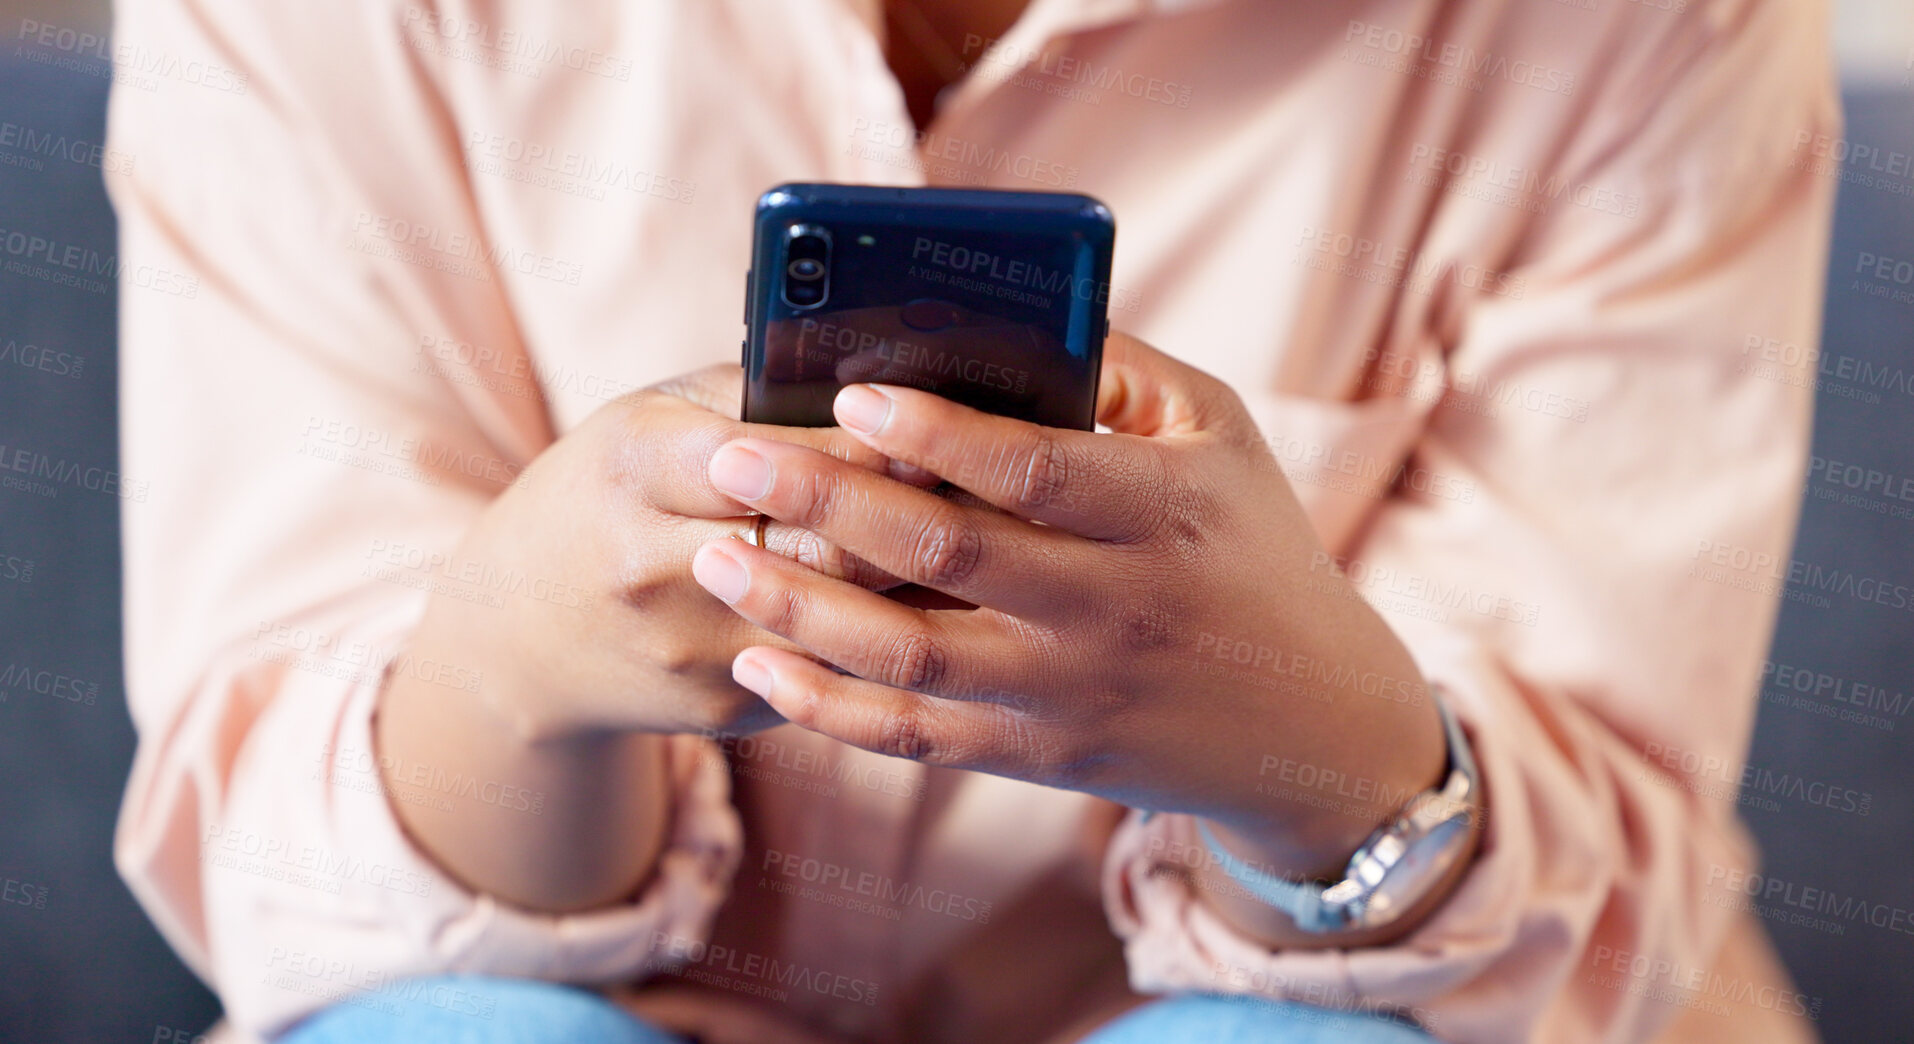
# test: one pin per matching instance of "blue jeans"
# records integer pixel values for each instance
(475, 1010)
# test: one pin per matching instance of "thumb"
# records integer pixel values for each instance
(1145, 392)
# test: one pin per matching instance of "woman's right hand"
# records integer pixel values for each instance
(607, 630)
(597, 642)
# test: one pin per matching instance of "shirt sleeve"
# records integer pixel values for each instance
(1598, 607)
(321, 386)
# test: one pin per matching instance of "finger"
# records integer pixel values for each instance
(668, 445)
(882, 719)
(813, 551)
(962, 655)
(985, 557)
(1108, 487)
(1145, 392)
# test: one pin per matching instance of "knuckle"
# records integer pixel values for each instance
(947, 552)
(809, 549)
(1045, 475)
(674, 655)
(1145, 624)
(902, 735)
(814, 499)
(917, 662)
(1185, 513)
(784, 611)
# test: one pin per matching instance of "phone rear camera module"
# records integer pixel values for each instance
(807, 266)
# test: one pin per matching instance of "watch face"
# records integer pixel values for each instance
(1422, 864)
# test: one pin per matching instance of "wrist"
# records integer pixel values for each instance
(1395, 878)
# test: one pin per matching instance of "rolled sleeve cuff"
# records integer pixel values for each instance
(347, 904)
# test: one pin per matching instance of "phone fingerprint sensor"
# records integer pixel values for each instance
(930, 313)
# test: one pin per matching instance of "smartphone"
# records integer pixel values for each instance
(995, 299)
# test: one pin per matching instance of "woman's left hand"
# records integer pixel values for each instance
(1156, 621)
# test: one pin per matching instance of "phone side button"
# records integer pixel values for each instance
(744, 354)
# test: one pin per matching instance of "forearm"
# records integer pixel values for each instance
(595, 807)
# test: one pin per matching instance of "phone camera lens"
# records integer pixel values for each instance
(807, 266)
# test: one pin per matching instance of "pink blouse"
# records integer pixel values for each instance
(1520, 293)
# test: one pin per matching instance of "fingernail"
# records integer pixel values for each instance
(862, 408)
(740, 472)
(751, 674)
(720, 574)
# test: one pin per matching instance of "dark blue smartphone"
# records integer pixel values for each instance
(995, 299)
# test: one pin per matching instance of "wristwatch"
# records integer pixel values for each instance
(1395, 868)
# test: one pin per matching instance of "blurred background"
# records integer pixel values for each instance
(80, 962)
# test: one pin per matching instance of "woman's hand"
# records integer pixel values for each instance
(1157, 622)
(609, 515)
(589, 639)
